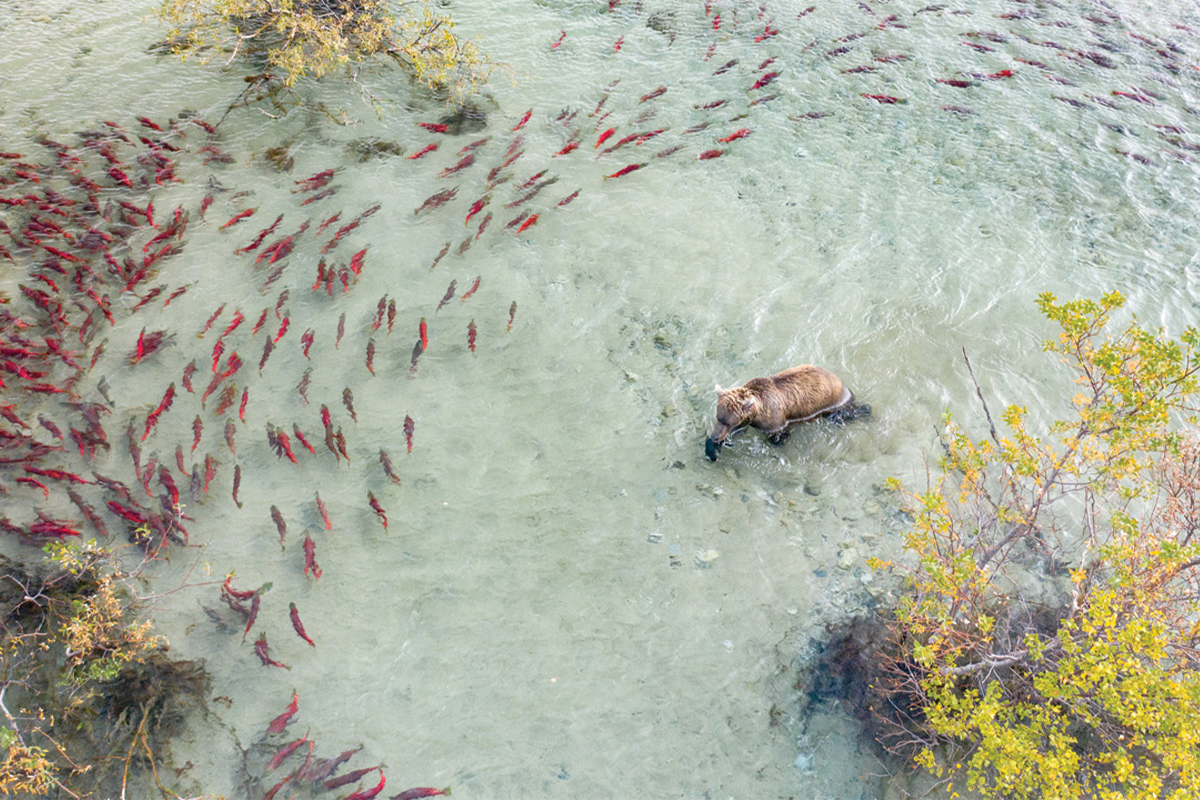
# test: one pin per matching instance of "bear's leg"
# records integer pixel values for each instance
(849, 413)
(778, 437)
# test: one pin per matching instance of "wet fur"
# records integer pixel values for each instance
(772, 404)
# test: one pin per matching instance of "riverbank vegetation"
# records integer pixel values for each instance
(283, 41)
(1048, 643)
(89, 694)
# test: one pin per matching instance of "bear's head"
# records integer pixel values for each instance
(734, 407)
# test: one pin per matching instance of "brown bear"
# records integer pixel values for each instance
(772, 404)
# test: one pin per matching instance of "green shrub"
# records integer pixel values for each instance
(1047, 646)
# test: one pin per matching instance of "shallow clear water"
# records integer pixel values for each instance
(570, 600)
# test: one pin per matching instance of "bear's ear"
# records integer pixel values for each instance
(749, 403)
(721, 391)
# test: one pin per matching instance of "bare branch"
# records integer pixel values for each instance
(983, 402)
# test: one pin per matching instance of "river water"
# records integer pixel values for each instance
(569, 600)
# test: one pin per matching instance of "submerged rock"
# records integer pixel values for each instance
(664, 23)
(846, 558)
(373, 147)
(465, 119)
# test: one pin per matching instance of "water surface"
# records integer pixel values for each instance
(570, 600)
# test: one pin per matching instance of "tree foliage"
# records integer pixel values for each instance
(286, 40)
(1048, 646)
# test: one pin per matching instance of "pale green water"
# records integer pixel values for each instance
(537, 621)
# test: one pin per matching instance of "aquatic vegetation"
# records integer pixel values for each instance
(1047, 644)
(298, 38)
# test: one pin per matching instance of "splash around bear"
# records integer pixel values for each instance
(773, 404)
